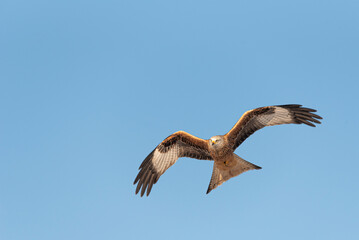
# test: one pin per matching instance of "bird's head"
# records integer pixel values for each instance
(216, 141)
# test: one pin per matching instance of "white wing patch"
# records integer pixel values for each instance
(280, 116)
(162, 161)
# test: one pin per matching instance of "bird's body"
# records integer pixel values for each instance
(218, 148)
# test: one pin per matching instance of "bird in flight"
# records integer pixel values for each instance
(219, 148)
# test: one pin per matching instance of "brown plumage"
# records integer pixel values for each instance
(219, 148)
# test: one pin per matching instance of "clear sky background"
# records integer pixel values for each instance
(89, 88)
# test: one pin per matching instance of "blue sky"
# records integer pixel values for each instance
(89, 88)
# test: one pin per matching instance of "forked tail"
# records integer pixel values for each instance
(219, 175)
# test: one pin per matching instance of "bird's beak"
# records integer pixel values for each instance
(213, 141)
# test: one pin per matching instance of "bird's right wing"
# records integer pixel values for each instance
(179, 144)
(258, 118)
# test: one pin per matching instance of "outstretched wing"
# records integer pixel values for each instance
(179, 144)
(258, 118)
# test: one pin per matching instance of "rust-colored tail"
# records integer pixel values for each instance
(219, 176)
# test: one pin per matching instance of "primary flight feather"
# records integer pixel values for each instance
(219, 148)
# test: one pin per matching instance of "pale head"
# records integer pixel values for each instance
(216, 141)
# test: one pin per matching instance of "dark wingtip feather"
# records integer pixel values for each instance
(150, 184)
(303, 114)
(316, 116)
(144, 177)
(306, 122)
(145, 182)
(307, 109)
(138, 186)
(307, 117)
(290, 105)
(147, 159)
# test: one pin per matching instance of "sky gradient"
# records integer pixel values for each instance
(89, 88)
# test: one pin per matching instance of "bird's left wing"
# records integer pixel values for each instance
(179, 144)
(258, 118)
